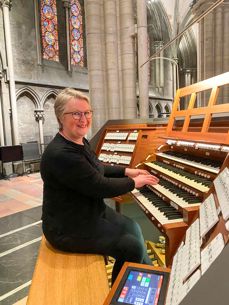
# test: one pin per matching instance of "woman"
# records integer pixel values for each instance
(75, 217)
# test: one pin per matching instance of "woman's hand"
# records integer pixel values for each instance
(144, 179)
(132, 172)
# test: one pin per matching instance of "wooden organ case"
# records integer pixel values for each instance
(193, 153)
(127, 143)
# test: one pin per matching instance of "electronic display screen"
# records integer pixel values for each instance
(141, 286)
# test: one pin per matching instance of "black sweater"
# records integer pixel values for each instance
(75, 183)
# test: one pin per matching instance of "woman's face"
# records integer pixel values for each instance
(75, 123)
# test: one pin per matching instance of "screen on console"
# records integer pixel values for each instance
(141, 287)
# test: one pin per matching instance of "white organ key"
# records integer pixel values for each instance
(148, 206)
(133, 136)
(208, 146)
(181, 202)
(116, 135)
(192, 163)
(183, 179)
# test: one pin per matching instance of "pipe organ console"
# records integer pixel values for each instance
(186, 164)
(187, 156)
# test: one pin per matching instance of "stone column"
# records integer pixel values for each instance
(226, 46)
(95, 51)
(175, 78)
(213, 39)
(127, 54)
(119, 60)
(188, 81)
(2, 140)
(6, 5)
(6, 110)
(143, 72)
(37, 31)
(39, 117)
(111, 43)
(157, 67)
(66, 4)
(188, 77)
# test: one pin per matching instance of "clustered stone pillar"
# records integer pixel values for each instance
(143, 71)
(213, 40)
(5, 5)
(96, 63)
(2, 140)
(39, 116)
(111, 43)
(157, 67)
(127, 54)
(111, 59)
(213, 44)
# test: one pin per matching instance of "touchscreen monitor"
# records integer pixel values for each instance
(141, 286)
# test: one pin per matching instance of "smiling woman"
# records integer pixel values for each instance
(74, 114)
(75, 217)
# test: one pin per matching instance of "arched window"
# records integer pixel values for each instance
(167, 110)
(49, 33)
(76, 34)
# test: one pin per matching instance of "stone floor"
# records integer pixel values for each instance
(20, 235)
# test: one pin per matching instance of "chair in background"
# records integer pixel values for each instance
(10, 154)
(31, 156)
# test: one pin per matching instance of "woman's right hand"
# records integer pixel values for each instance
(142, 180)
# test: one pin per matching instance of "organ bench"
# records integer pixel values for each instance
(67, 279)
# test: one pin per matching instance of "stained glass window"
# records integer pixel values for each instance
(50, 45)
(76, 34)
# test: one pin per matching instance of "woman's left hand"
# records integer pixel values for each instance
(132, 172)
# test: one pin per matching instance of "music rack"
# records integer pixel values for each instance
(179, 125)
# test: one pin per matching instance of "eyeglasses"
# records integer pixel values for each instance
(77, 115)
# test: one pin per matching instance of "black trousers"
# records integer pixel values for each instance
(115, 235)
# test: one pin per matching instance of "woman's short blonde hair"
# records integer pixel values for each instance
(63, 98)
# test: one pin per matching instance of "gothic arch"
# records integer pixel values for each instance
(159, 110)
(151, 114)
(50, 125)
(167, 109)
(30, 93)
(158, 22)
(187, 50)
(48, 94)
(28, 102)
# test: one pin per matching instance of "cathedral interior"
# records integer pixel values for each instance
(129, 56)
